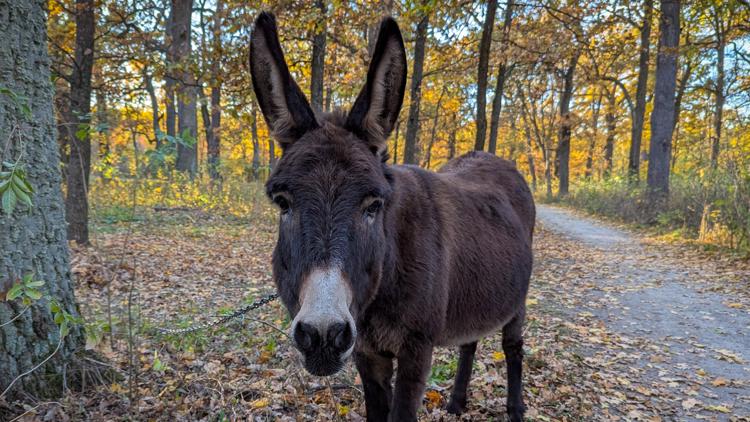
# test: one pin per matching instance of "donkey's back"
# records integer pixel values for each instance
(492, 213)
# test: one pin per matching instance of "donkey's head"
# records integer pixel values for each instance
(331, 189)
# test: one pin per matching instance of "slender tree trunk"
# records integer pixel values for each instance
(149, 85)
(529, 153)
(484, 58)
(664, 99)
(329, 90)
(79, 138)
(595, 107)
(271, 154)
(684, 81)
(102, 118)
(213, 142)
(636, 133)
(502, 74)
(384, 8)
(452, 144)
(720, 99)
(411, 147)
(563, 144)
(433, 132)
(318, 58)
(395, 142)
(187, 110)
(256, 144)
(33, 239)
(609, 145)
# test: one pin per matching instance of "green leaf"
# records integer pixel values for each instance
(59, 318)
(22, 196)
(37, 283)
(14, 292)
(9, 201)
(33, 294)
(64, 328)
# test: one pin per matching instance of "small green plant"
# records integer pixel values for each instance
(27, 290)
(14, 187)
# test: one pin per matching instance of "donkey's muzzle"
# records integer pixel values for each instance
(325, 349)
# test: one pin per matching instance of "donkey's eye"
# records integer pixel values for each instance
(373, 208)
(282, 203)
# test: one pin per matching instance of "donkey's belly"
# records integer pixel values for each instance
(471, 334)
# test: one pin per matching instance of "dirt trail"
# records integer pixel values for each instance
(694, 334)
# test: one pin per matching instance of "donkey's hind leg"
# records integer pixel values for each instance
(513, 348)
(457, 404)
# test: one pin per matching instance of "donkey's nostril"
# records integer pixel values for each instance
(305, 335)
(340, 336)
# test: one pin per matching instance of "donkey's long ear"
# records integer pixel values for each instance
(376, 109)
(283, 104)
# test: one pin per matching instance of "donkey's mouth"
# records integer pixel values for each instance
(322, 366)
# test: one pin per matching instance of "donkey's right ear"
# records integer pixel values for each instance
(283, 104)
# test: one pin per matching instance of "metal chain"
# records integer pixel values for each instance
(223, 320)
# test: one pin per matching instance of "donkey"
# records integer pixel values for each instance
(380, 261)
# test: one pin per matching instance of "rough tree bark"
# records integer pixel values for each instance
(187, 109)
(76, 125)
(32, 241)
(318, 57)
(502, 74)
(484, 57)
(563, 135)
(411, 147)
(664, 100)
(639, 112)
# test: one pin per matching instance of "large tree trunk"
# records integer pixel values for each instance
(213, 138)
(502, 74)
(636, 132)
(719, 95)
(563, 136)
(318, 57)
(33, 240)
(411, 148)
(664, 99)
(77, 122)
(187, 110)
(484, 57)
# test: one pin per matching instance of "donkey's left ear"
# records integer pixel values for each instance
(376, 109)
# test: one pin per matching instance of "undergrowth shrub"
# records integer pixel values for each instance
(713, 207)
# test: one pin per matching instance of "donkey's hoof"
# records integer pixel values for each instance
(515, 413)
(455, 408)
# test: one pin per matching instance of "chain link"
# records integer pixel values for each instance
(223, 320)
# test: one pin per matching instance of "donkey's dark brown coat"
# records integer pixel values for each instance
(412, 258)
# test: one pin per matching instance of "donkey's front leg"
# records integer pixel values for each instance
(414, 361)
(376, 372)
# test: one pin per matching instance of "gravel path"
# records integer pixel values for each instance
(647, 292)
